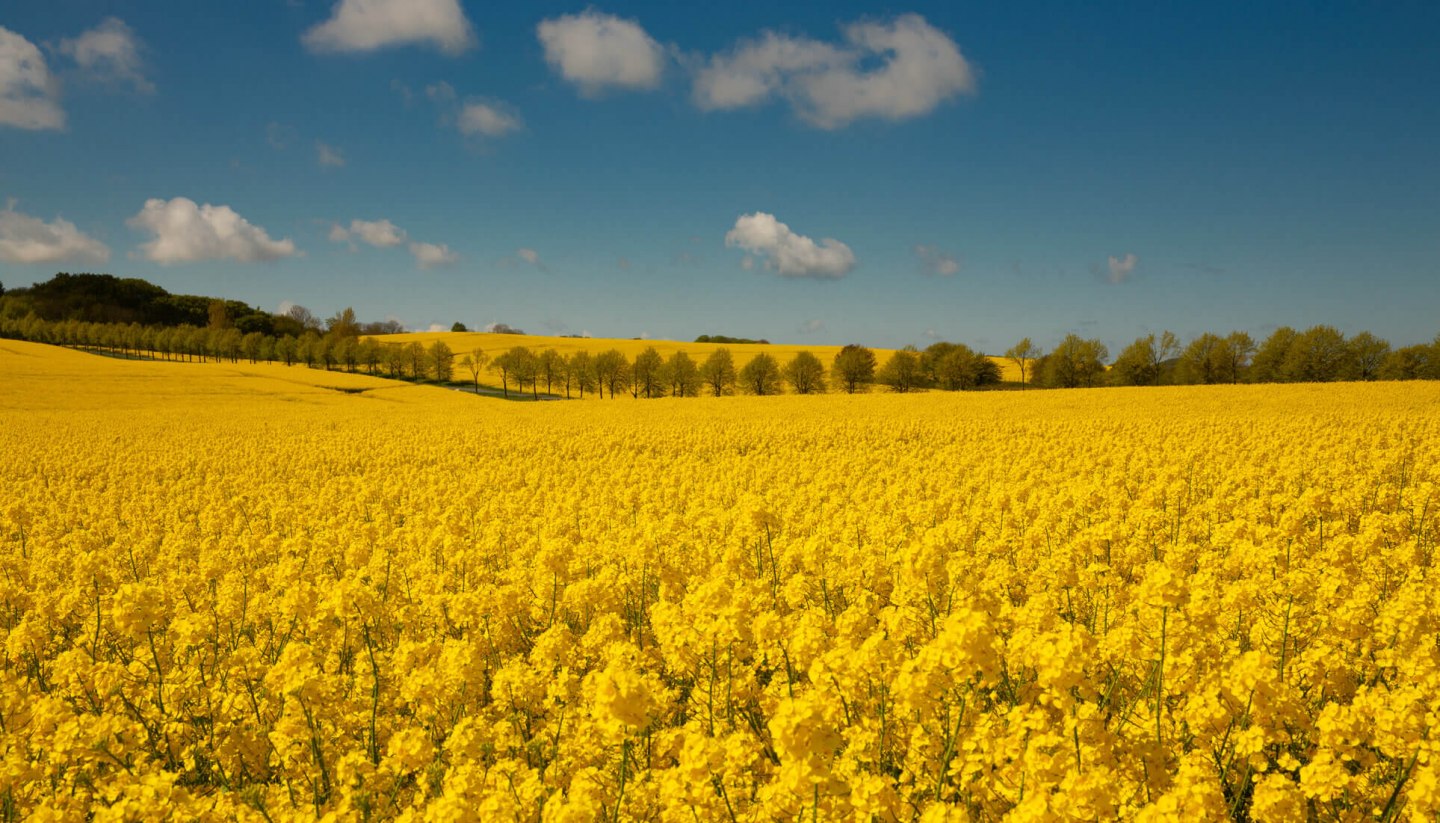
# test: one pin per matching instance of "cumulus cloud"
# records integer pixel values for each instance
(889, 70)
(329, 156)
(596, 51)
(26, 239)
(811, 326)
(787, 253)
(1122, 267)
(473, 117)
(369, 25)
(110, 52)
(936, 262)
(184, 232)
(382, 234)
(430, 255)
(29, 94)
(486, 120)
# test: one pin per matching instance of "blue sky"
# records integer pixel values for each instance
(828, 172)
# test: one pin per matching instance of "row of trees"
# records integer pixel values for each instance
(1318, 354)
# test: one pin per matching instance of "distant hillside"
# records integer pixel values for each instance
(105, 298)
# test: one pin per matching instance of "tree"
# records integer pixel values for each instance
(416, 359)
(805, 373)
(761, 376)
(219, 315)
(1142, 363)
(458, 326)
(902, 371)
(1203, 361)
(1268, 363)
(1410, 363)
(1022, 354)
(393, 358)
(1367, 354)
(854, 368)
(582, 371)
(474, 362)
(442, 361)
(1075, 362)
(611, 370)
(524, 367)
(683, 374)
(343, 323)
(960, 368)
(285, 350)
(250, 345)
(304, 318)
(346, 351)
(369, 353)
(1235, 352)
(648, 374)
(550, 366)
(1319, 355)
(718, 372)
(503, 363)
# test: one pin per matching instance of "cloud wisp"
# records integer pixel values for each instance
(1122, 268)
(937, 262)
(109, 53)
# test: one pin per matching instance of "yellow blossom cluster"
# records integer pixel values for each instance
(235, 593)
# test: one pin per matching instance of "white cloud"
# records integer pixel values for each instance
(788, 253)
(382, 234)
(937, 262)
(430, 255)
(329, 156)
(473, 117)
(110, 52)
(596, 51)
(486, 120)
(756, 69)
(1122, 267)
(368, 25)
(184, 232)
(812, 326)
(529, 256)
(26, 239)
(29, 94)
(896, 70)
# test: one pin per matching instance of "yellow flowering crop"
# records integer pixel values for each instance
(234, 592)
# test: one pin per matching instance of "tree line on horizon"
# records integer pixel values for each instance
(1318, 354)
(105, 312)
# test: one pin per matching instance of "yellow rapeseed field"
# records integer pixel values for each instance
(270, 593)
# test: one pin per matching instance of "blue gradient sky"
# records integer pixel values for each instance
(1265, 164)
